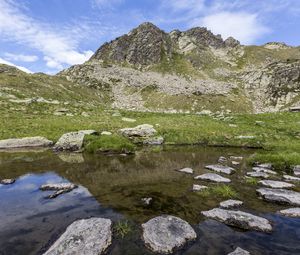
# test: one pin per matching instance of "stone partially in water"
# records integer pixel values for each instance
(163, 234)
(297, 170)
(221, 169)
(265, 165)
(89, 236)
(231, 203)
(258, 174)
(291, 212)
(222, 160)
(276, 184)
(7, 181)
(291, 178)
(239, 219)
(72, 141)
(197, 187)
(186, 170)
(212, 178)
(263, 170)
(59, 188)
(239, 251)
(281, 196)
(26, 142)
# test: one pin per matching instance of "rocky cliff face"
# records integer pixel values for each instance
(191, 71)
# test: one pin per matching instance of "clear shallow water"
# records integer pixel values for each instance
(112, 187)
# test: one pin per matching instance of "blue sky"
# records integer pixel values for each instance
(49, 35)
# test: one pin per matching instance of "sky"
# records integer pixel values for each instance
(50, 35)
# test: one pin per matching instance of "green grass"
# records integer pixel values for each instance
(123, 228)
(109, 143)
(251, 180)
(222, 191)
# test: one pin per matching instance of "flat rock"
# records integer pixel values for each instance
(297, 170)
(222, 160)
(212, 177)
(239, 251)
(163, 234)
(239, 219)
(258, 174)
(7, 181)
(72, 141)
(263, 170)
(197, 187)
(144, 130)
(221, 169)
(291, 178)
(235, 163)
(265, 165)
(281, 196)
(186, 170)
(59, 188)
(231, 203)
(236, 158)
(291, 212)
(276, 184)
(89, 237)
(26, 142)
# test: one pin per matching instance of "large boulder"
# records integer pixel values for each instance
(143, 131)
(212, 178)
(72, 141)
(26, 142)
(239, 219)
(221, 169)
(163, 234)
(89, 236)
(280, 196)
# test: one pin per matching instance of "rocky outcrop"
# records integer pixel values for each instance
(26, 142)
(239, 219)
(212, 178)
(72, 141)
(164, 234)
(280, 196)
(89, 236)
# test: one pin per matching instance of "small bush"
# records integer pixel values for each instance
(105, 143)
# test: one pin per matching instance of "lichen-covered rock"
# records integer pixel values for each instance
(26, 142)
(280, 196)
(212, 178)
(239, 219)
(276, 184)
(221, 169)
(163, 234)
(89, 236)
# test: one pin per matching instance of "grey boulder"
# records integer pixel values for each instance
(239, 219)
(144, 130)
(291, 212)
(163, 234)
(89, 236)
(281, 196)
(231, 203)
(276, 184)
(26, 142)
(291, 178)
(221, 169)
(212, 178)
(258, 174)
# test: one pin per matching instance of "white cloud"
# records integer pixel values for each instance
(21, 57)
(54, 44)
(241, 25)
(106, 3)
(24, 69)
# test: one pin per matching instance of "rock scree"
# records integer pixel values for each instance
(165, 233)
(88, 236)
(239, 219)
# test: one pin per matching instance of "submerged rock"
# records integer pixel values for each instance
(263, 170)
(281, 196)
(222, 160)
(89, 236)
(212, 177)
(221, 169)
(72, 141)
(239, 251)
(186, 170)
(291, 178)
(163, 234)
(26, 142)
(231, 204)
(239, 219)
(291, 212)
(7, 181)
(59, 188)
(258, 174)
(197, 187)
(276, 184)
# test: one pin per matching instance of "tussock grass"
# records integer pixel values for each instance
(123, 228)
(223, 191)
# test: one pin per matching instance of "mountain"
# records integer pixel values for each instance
(195, 71)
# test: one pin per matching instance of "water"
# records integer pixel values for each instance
(113, 186)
